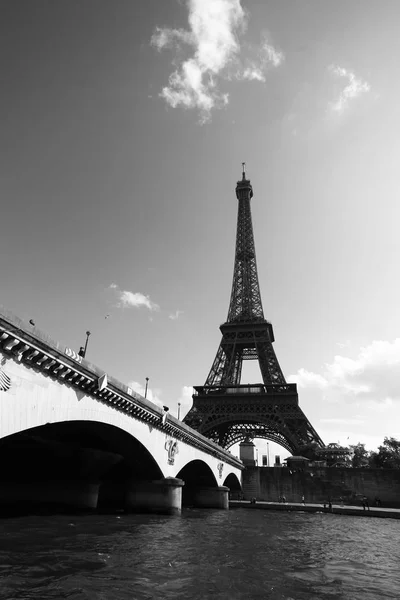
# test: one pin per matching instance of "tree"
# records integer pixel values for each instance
(388, 455)
(359, 456)
(309, 451)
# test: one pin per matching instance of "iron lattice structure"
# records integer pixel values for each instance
(224, 410)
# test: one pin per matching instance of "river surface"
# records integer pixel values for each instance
(203, 554)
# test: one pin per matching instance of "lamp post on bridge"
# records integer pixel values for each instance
(82, 350)
(145, 391)
(179, 410)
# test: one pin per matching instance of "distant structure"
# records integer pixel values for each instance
(335, 455)
(223, 409)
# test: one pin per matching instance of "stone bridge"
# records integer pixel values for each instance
(73, 436)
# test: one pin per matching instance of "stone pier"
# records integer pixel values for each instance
(163, 496)
(211, 497)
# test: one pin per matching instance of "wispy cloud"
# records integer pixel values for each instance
(151, 395)
(355, 86)
(372, 375)
(343, 421)
(213, 42)
(308, 379)
(175, 316)
(127, 299)
(271, 55)
(185, 400)
(267, 56)
(345, 344)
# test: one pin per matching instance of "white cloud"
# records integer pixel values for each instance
(345, 344)
(175, 316)
(185, 400)
(152, 395)
(307, 379)
(128, 299)
(213, 26)
(256, 69)
(352, 90)
(136, 300)
(345, 436)
(252, 73)
(373, 375)
(163, 37)
(272, 55)
(213, 41)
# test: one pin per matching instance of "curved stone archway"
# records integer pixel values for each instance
(201, 488)
(197, 472)
(79, 463)
(233, 483)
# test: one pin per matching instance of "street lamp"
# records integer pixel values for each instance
(82, 350)
(179, 410)
(268, 454)
(145, 391)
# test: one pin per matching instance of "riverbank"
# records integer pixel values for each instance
(383, 513)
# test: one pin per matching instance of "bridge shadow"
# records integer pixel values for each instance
(200, 481)
(57, 467)
(233, 483)
(195, 474)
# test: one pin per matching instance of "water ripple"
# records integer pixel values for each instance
(218, 555)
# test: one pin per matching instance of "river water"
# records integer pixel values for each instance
(202, 554)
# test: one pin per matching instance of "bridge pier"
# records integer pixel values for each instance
(163, 496)
(211, 497)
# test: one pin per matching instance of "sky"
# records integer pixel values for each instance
(123, 128)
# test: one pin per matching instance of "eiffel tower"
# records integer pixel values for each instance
(223, 409)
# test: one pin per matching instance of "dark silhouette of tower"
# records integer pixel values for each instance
(223, 409)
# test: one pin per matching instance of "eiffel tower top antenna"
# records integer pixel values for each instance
(243, 171)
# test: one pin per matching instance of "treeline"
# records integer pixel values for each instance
(386, 457)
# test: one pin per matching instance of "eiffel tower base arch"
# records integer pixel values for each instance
(232, 414)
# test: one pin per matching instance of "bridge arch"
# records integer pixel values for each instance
(76, 455)
(199, 472)
(109, 441)
(233, 483)
(196, 474)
